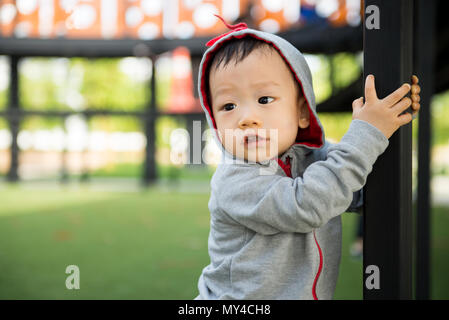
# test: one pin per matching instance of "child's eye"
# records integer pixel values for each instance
(265, 100)
(229, 106)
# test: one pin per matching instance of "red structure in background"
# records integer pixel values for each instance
(159, 19)
(153, 19)
(181, 85)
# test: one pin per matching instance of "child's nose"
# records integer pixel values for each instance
(250, 121)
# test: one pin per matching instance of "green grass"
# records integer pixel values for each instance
(350, 279)
(128, 246)
(130, 170)
(148, 245)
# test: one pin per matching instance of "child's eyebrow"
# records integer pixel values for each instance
(225, 89)
(222, 90)
(266, 83)
(256, 85)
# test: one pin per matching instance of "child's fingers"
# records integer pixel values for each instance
(357, 103)
(397, 95)
(405, 118)
(370, 89)
(402, 105)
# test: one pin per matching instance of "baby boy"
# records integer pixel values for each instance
(278, 236)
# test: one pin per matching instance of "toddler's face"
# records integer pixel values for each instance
(256, 106)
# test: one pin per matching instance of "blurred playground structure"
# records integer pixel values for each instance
(107, 88)
(77, 93)
(77, 106)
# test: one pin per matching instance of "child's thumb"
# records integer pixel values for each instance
(357, 103)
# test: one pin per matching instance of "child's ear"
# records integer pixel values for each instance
(304, 116)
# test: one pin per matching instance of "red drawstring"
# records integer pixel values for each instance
(235, 27)
(232, 27)
(285, 166)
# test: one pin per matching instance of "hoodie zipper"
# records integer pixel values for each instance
(286, 166)
(319, 268)
(287, 169)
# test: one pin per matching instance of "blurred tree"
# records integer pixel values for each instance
(117, 84)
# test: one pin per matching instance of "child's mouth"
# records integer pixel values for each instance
(254, 141)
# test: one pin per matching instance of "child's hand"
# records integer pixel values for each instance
(385, 114)
(416, 89)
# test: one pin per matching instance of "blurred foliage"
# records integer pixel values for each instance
(320, 79)
(104, 84)
(104, 87)
(335, 124)
(346, 68)
(48, 84)
(440, 118)
(164, 126)
(35, 123)
(116, 123)
(3, 99)
(3, 123)
(78, 84)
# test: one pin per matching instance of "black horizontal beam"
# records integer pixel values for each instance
(18, 113)
(325, 39)
(342, 100)
(310, 39)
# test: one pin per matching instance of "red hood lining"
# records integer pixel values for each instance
(310, 136)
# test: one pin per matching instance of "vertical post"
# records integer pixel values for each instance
(194, 127)
(388, 191)
(425, 15)
(196, 60)
(14, 120)
(150, 175)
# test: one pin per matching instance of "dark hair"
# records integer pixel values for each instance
(235, 49)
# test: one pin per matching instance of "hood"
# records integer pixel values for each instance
(311, 137)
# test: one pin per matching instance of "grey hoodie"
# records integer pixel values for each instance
(275, 228)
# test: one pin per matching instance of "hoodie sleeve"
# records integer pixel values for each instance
(269, 204)
(357, 198)
(356, 205)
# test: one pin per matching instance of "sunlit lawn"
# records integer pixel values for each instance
(148, 245)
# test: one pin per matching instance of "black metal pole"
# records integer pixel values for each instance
(14, 121)
(387, 254)
(425, 16)
(150, 174)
